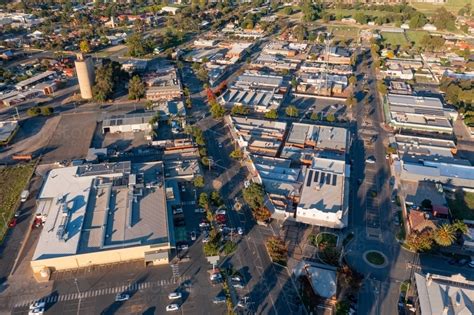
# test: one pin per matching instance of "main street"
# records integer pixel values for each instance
(371, 215)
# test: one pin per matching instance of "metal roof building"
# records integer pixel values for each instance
(444, 295)
(418, 113)
(127, 122)
(101, 214)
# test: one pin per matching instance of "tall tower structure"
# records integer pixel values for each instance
(85, 75)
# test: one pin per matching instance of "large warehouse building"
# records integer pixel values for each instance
(102, 214)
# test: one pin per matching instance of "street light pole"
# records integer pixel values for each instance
(79, 292)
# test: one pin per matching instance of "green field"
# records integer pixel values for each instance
(12, 180)
(415, 36)
(394, 39)
(452, 6)
(352, 12)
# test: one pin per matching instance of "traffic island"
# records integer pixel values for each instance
(375, 259)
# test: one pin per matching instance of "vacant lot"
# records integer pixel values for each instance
(344, 32)
(394, 39)
(72, 138)
(12, 180)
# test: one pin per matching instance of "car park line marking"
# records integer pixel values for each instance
(101, 292)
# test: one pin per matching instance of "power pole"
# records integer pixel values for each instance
(79, 293)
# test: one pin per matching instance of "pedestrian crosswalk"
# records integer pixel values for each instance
(133, 287)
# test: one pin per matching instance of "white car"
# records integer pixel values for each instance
(370, 160)
(183, 247)
(178, 211)
(240, 231)
(199, 210)
(121, 297)
(204, 225)
(471, 264)
(236, 279)
(36, 311)
(221, 211)
(193, 236)
(174, 295)
(172, 307)
(38, 304)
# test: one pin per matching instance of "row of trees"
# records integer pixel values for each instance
(444, 236)
(254, 196)
(107, 77)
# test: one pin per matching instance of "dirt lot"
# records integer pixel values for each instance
(31, 138)
(72, 137)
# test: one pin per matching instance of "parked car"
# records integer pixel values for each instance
(370, 160)
(240, 231)
(200, 210)
(471, 264)
(38, 304)
(174, 295)
(183, 247)
(205, 239)
(12, 222)
(220, 212)
(236, 278)
(237, 285)
(178, 211)
(193, 236)
(24, 195)
(203, 225)
(172, 307)
(219, 299)
(121, 297)
(36, 311)
(463, 262)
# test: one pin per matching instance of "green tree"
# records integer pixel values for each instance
(300, 32)
(199, 181)
(254, 195)
(417, 20)
(352, 80)
(350, 101)
(271, 114)
(104, 83)
(138, 46)
(420, 242)
(331, 118)
(84, 47)
(136, 88)
(240, 110)
(291, 111)
(261, 214)
(216, 198)
(310, 11)
(47, 110)
(217, 110)
(444, 235)
(314, 116)
(294, 83)
(236, 154)
(277, 249)
(204, 200)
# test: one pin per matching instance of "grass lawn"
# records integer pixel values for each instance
(375, 258)
(415, 36)
(394, 39)
(12, 180)
(463, 206)
(451, 5)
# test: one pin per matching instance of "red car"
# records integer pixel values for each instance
(220, 218)
(12, 223)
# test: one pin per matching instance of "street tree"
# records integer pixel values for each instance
(420, 242)
(204, 200)
(217, 110)
(254, 195)
(216, 198)
(352, 80)
(236, 154)
(240, 110)
(138, 46)
(331, 117)
(199, 181)
(271, 114)
(136, 88)
(84, 47)
(291, 111)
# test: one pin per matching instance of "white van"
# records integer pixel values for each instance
(24, 195)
